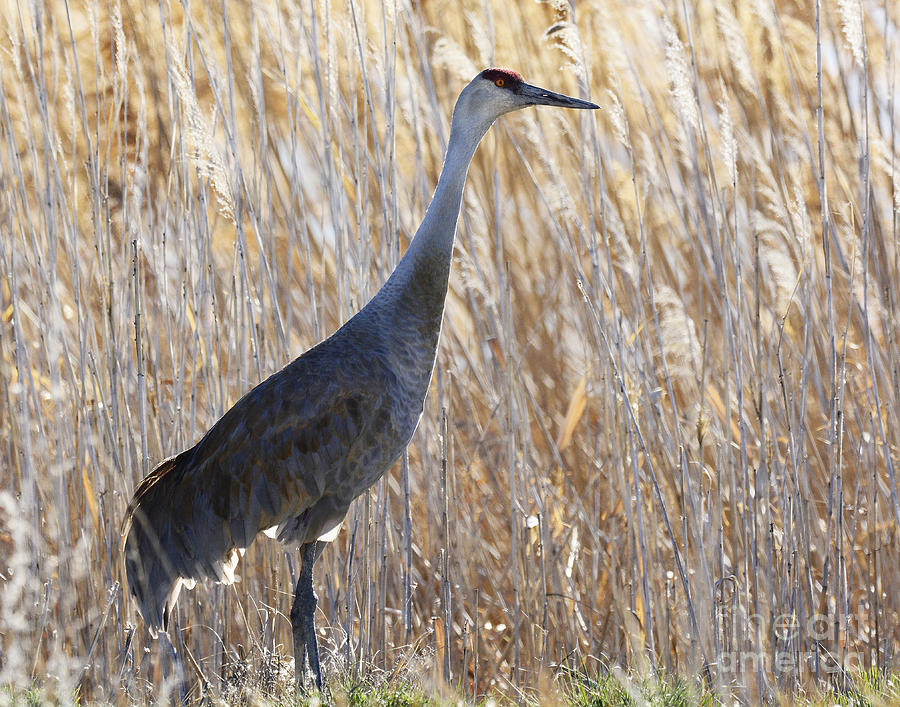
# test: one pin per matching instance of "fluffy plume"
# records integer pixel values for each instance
(736, 45)
(851, 24)
(729, 144)
(449, 55)
(618, 119)
(206, 151)
(679, 71)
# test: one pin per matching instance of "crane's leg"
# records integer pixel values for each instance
(303, 614)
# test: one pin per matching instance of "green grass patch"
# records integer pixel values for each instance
(571, 688)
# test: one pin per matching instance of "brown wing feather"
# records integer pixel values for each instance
(276, 458)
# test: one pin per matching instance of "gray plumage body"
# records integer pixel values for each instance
(292, 454)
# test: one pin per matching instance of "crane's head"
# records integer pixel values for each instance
(495, 92)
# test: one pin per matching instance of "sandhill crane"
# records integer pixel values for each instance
(290, 456)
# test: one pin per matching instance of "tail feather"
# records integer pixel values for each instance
(191, 517)
(162, 554)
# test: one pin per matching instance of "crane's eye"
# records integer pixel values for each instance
(499, 82)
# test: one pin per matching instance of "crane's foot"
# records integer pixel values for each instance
(303, 624)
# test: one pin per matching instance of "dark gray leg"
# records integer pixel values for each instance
(303, 614)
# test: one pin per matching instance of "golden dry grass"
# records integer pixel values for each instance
(671, 401)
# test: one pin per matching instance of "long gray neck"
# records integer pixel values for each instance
(435, 236)
(410, 304)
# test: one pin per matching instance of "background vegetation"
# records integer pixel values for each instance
(662, 432)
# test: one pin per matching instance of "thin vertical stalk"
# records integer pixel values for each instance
(445, 548)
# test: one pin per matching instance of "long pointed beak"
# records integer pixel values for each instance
(542, 97)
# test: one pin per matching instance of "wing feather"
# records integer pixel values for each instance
(269, 462)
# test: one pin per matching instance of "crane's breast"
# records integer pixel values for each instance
(302, 445)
